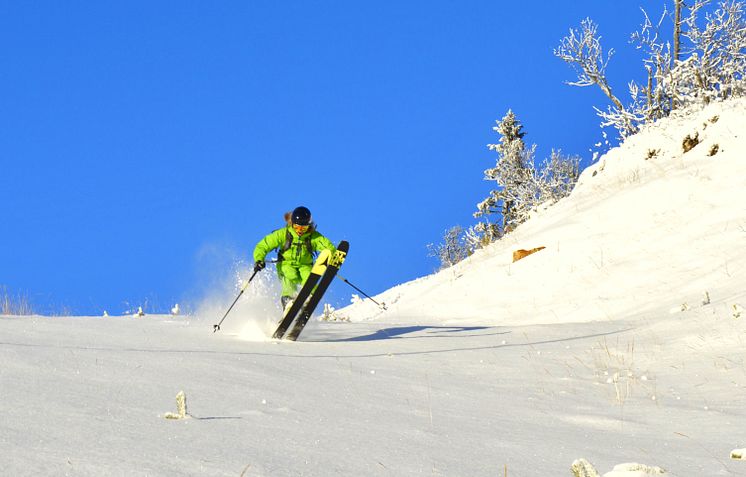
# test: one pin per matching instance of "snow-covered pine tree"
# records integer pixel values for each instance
(513, 173)
(521, 188)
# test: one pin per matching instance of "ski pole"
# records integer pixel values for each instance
(381, 305)
(243, 288)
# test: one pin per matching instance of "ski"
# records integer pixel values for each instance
(316, 272)
(335, 262)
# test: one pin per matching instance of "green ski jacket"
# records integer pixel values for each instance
(293, 249)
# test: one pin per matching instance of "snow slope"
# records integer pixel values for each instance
(599, 346)
(636, 237)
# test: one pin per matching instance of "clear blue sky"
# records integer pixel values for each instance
(145, 146)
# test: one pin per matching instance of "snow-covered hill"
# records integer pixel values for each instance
(647, 229)
(621, 341)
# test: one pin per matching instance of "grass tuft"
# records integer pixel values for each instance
(14, 305)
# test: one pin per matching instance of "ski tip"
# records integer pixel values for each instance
(343, 246)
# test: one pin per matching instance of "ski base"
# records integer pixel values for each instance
(317, 271)
(334, 263)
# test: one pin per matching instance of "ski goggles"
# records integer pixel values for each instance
(301, 229)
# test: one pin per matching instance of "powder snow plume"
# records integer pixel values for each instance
(257, 311)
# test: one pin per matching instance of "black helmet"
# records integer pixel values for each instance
(301, 216)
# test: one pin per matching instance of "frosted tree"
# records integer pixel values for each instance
(556, 178)
(713, 66)
(480, 235)
(513, 173)
(582, 50)
(521, 187)
(653, 100)
(706, 62)
(717, 53)
(541, 187)
(452, 250)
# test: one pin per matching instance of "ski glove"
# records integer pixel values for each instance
(259, 265)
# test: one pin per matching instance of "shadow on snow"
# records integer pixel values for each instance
(401, 331)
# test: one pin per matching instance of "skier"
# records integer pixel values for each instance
(296, 244)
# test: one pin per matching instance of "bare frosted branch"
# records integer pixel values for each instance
(582, 50)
